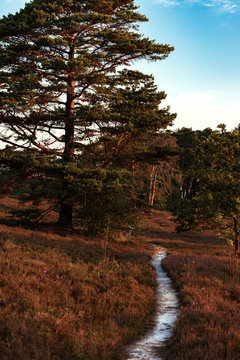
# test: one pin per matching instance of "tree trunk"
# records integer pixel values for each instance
(65, 214)
(152, 185)
(66, 204)
(133, 172)
(236, 237)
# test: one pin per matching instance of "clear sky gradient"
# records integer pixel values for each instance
(202, 75)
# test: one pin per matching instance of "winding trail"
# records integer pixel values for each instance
(166, 314)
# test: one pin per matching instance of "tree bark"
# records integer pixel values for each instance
(236, 237)
(66, 204)
(133, 172)
(65, 214)
(152, 185)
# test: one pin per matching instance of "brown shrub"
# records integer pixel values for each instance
(61, 299)
(206, 275)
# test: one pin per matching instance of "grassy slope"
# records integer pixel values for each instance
(207, 277)
(60, 299)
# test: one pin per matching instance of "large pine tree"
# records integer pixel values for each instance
(57, 65)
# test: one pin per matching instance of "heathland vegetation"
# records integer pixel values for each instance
(206, 274)
(89, 174)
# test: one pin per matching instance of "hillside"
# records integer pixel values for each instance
(61, 298)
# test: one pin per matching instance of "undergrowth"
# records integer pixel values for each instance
(61, 298)
(206, 274)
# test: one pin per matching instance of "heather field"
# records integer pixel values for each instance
(61, 298)
(207, 276)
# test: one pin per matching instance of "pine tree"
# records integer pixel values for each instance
(127, 112)
(56, 64)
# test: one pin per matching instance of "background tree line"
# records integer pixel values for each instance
(210, 186)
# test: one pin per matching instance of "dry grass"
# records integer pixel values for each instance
(207, 277)
(61, 299)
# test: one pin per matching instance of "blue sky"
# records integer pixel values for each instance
(202, 76)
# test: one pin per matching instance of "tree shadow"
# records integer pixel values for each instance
(75, 246)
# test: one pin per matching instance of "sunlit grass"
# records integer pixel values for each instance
(206, 274)
(61, 298)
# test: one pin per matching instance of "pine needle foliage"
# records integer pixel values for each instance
(216, 166)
